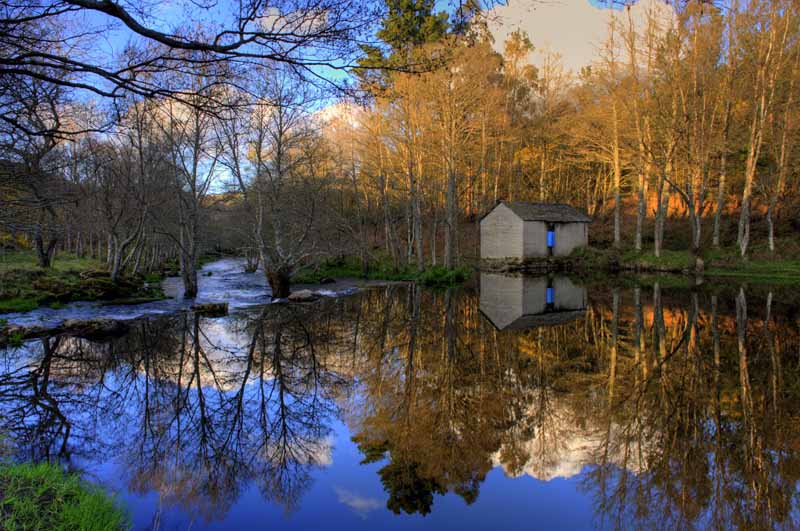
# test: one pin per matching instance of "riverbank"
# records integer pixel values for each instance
(760, 266)
(24, 286)
(379, 270)
(43, 496)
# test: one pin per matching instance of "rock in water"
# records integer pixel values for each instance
(327, 280)
(304, 295)
(211, 309)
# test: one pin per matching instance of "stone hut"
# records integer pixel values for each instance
(517, 230)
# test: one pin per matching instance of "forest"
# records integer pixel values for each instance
(379, 134)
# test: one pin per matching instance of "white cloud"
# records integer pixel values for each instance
(572, 28)
(361, 505)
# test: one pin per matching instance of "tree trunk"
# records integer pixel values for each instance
(189, 277)
(251, 261)
(188, 265)
(44, 253)
(388, 227)
(116, 260)
(418, 234)
(720, 202)
(617, 179)
(452, 219)
(658, 226)
(641, 210)
(434, 230)
(279, 283)
(764, 93)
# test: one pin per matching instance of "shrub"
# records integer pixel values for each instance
(15, 339)
(442, 276)
(153, 278)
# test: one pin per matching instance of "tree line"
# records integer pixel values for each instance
(680, 134)
(686, 117)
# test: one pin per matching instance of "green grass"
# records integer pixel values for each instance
(380, 270)
(672, 260)
(62, 262)
(18, 304)
(44, 497)
(759, 267)
(760, 264)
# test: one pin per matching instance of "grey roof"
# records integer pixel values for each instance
(552, 318)
(552, 212)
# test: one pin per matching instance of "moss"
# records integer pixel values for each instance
(44, 497)
(26, 289)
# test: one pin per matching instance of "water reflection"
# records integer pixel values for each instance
(667, 409)
(520, 302)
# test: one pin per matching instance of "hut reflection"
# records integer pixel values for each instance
(520, 302)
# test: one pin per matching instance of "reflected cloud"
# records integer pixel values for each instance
(361, 505)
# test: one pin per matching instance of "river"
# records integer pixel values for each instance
(519, 403)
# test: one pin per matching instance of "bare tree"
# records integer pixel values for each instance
(51, 42)
(32, 188)
(195, 150)
(282, 177)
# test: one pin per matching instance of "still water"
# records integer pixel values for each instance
(521, 403)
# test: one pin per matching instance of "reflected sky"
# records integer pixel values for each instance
(406, 408)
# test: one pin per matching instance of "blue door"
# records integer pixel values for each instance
(551, 238)
(551, 295)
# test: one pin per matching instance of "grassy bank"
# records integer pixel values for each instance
(350, 267)
(24, 286)
(761, 266)
(44, 497)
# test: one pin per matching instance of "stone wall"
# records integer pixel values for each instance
(570, 236)
(535, 239)
(501, 234)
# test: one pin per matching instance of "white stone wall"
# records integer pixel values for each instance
(535, 239)
(570, 236)
(505, 298)
(568, 296)
(501, 234)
